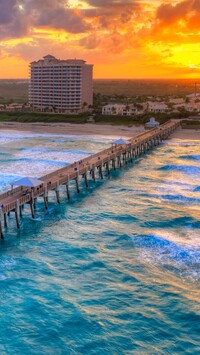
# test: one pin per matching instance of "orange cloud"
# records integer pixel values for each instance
(122, 38)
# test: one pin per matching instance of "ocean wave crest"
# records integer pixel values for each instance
(186, 169)
(172, 256)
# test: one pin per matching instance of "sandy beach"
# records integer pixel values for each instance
(73, 129)
(89, 129)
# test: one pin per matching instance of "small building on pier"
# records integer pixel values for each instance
(152, 123)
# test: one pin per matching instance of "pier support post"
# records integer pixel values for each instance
(16, 214)
(77, 183)
(131, 154)
(119, 161)
(1, 229)
(67, 190)
(86, 180)
(57, 192)
(45, 198)
(108, 168)
(113, 163)
(67, 187)
(93, 173)
(20, 211)
(5, 220)
(32, 209)
(45, 203)
(101, 172)
(125, 157)
(34, 203)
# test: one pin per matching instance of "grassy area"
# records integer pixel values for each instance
(104, 90)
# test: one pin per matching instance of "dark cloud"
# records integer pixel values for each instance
(17, 17)
(59, 19)
(6, 11)
(106, 8)
(112, 3)
(168, 13)
(12, 22)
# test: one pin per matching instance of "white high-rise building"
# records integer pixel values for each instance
(63, 86)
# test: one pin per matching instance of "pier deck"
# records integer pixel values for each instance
(14, 199)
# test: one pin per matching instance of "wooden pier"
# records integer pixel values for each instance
(14, 199)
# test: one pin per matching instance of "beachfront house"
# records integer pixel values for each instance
(119, 110)
(190, 107)
(14, 107)
(177, 101)
(156, 107)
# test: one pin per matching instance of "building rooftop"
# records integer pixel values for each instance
(50, 59)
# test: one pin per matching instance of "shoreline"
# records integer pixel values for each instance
(89, 129)
(72, 128)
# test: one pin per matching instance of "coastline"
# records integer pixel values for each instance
(89, 129)
(72, 128)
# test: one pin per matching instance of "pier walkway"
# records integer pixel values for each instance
(14, 199)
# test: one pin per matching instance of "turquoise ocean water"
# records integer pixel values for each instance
(114, 271)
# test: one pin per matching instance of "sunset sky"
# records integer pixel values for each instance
(122, 38)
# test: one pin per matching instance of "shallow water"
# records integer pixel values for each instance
(114, 271)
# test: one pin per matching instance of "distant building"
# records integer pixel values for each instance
(156, 107)
(191, 106)
(193, 95)
(119, 110)
(61, 86)
(14, 107)
(152, 123)
(177, 101)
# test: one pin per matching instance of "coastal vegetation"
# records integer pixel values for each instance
(42, 117)
(96, 118)
(17, 90)
(128, 92)
(190, 124)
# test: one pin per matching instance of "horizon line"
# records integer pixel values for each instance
(117, 79)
